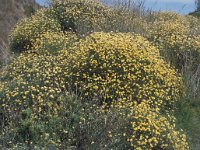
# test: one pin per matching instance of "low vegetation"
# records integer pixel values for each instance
(89, 76)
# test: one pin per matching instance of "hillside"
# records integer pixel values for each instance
(11, 11)
(84, 75)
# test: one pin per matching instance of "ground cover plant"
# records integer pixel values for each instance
(80, 79)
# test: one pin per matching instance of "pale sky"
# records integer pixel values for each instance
(182, 1)
(179, 6)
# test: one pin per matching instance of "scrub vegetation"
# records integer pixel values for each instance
(86, 75)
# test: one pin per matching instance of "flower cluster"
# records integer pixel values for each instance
(111, 67)
(176, 37)
(152, 130)
(53, 42)
(120, 80)
(32, 81)
(26, 32)
(80, 16)
(105, 67)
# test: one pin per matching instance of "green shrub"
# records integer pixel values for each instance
(47, 133)
(187, 114)
(195, 14)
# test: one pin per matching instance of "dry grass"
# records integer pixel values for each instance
(11, 11)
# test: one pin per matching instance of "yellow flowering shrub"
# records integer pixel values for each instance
(123, 70)
(151, 130)
(80, 16)
(194, 24)
(143, 127)
(53, 41)
(114, 66)
(176, 35)
(27, 31)
(166, 16)
(103, 66)
(32, 81)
